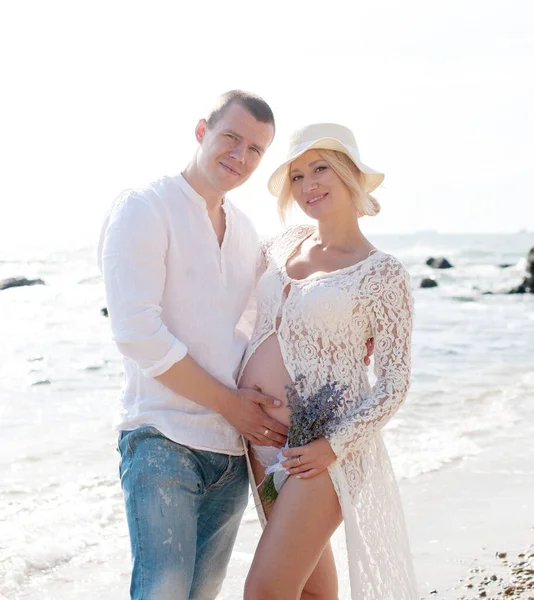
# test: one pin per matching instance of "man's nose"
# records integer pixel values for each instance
(238, 153)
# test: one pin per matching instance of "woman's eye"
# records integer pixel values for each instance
(296, 177)
(320, 168)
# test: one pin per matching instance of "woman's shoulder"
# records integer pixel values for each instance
(285, 240)
(389, 264)
(384, 271)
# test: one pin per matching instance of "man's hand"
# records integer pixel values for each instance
(244, 412)
(370, 346)
(309, 460)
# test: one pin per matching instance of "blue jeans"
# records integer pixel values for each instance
(183, 508)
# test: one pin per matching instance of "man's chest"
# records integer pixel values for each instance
(198, 265)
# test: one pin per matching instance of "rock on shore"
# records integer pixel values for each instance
(12, 282)
(439, 263)
(428, 282)
(527, 285)
(509, 577)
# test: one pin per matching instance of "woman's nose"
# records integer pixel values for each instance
(309, 185)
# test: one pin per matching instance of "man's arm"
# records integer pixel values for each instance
(241, 408)
(132, 255)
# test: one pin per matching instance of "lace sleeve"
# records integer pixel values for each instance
(391, 316)
(263, 256)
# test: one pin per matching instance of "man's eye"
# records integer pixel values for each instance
(232, 137)
(255, 150)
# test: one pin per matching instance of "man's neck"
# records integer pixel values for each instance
(194, 178)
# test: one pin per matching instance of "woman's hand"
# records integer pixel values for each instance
(315, 457)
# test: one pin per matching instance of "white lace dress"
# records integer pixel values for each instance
(322, 323)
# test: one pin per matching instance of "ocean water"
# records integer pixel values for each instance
(60, 501)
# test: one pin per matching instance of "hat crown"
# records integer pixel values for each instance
(318, 131)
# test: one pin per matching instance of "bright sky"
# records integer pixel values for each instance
(100, 96)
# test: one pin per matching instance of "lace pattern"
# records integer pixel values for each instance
(322, 324)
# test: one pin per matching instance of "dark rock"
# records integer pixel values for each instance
(439, 263)
(527, 285)
(506, 265)
(12, 282)
(104, 311)
(428, 282)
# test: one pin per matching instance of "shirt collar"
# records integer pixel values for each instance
(193, 195)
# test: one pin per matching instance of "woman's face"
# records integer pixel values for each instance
(317, 188)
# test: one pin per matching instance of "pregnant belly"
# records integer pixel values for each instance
(265, 371)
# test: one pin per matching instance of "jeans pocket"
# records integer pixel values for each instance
(124, 452)
(127, 442)
(234, 467)
(225, 476)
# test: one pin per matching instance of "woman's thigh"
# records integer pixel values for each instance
(300, 525)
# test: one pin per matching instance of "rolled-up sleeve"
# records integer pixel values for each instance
(132, 257)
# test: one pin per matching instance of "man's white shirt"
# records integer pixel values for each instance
(172, 290)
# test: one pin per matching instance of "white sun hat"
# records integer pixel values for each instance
(324, 136)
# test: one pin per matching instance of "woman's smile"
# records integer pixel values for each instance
(316, 198)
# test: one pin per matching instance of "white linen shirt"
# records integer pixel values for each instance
(171, 291)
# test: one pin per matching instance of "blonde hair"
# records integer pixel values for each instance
(349, 174)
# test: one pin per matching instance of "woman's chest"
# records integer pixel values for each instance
(325, 304)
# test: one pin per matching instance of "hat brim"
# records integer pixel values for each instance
(277, 180)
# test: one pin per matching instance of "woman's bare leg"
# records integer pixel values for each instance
(293, 560)
(322, 583)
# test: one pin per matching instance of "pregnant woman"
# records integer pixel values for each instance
(325, 290)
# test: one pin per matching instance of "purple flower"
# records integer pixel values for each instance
(311, 417)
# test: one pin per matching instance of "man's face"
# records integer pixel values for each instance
(232, 149)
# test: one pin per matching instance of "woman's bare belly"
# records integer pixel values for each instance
(265, 371)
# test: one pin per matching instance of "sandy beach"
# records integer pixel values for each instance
(462, 516)
(459, 518)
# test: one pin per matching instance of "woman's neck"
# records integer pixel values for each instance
(339, 234)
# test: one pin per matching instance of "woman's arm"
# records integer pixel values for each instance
(391, 314)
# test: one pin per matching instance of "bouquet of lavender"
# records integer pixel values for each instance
(310, 418)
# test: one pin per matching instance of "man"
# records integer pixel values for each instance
(179, 264)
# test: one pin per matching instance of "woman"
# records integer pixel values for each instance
(324, 291)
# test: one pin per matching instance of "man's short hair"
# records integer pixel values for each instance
(252, 103)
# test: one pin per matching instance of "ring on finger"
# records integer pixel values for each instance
(299, 461)
(266, 432)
